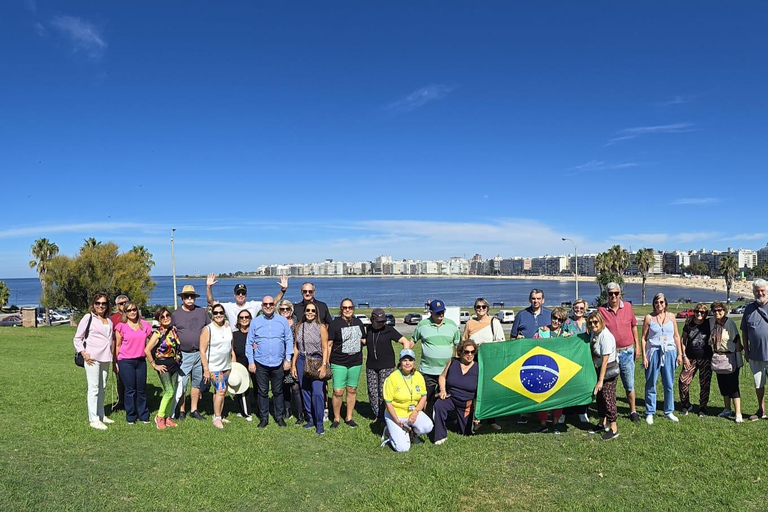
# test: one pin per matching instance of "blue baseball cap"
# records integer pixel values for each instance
(437, 306)
(406, 352)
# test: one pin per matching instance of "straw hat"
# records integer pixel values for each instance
(188, 290)
(238, 380)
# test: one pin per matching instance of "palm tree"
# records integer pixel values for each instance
(5, 294)
(90, 243)
(644, 259)
(144, 254)
(729, 267)
(601, 263)
(618, 259)
(43, 250)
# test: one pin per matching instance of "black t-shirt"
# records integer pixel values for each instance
(381, 355)
(238, 345)
(322, 310)
(696, 340)
(347, 338)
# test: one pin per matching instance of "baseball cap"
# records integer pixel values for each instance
(406, 352)
(378, 315)
(436, 306)
(241, 288)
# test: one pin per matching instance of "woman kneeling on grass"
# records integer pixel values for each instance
(217, 354)
(405, 396)
(93, 340)
(163, 353)
(607, 367)
(458, 385)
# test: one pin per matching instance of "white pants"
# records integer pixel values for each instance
(96, 376)
(399, 437)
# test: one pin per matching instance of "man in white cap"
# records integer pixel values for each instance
(754, 334)
(189, 321)
(241, 299)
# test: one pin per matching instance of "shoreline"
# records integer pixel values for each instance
(715, 284)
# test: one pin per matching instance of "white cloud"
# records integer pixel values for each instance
(85, 228)
(676, 100)
(40, 29)
(599, 165)
(638, 131)
(663, 240)
(746, 236)
(83, 35)
(696, 201)
(420, 97)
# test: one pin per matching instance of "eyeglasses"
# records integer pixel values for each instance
(719, 310)
(185, 297)
(100, 303)
(284, 309)
(132, 310)
(701, 312)
(121, 304)
(659, 302)
(555, 319)
(310, 311)
(268, 304)
(307, 292)
(244, 317)
(470, 352)
(241, 292)
(614, 294)
(217, 313)
(347, 307)
(578, 308)
(165, 315)
(481, 306)
(594, 322)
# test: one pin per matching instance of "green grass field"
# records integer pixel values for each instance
(53, 460)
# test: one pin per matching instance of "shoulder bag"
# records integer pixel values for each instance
(79, 360)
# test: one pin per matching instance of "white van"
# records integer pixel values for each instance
(464, 317)
(506, 316)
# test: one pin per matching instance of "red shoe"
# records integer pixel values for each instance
(160, 422)
(170, 423)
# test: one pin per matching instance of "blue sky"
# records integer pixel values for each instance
(275, 132)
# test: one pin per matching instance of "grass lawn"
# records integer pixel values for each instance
(53, 460)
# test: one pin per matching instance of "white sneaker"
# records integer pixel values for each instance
(739, 419)
(671, 417)
(441, 441)
(325, 415)
(108, 421)
(561, 419)
(649, 419)
(584, 418)
(98, 425)
(248, 418)
(727, 413)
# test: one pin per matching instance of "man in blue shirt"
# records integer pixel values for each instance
(528, 321)
(269, 349)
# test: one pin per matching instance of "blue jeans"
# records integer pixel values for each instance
(133, 373)
(312, 395)
(667, 379)
(627, 368)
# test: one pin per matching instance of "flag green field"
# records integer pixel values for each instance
(527, 375)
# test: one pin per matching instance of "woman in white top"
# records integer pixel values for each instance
(217, 354)
(483, 328)
(607, 368)
(661, 355)
(93, 340)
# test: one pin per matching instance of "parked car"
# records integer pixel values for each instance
(686, 313)
(506, 316)
(390, 319)
(364, 319)
(739, 310)
(412, 318)
(11, 321)
(464, 316)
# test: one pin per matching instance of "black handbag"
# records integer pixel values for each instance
(79, 360)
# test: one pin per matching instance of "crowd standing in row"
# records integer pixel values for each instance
(298, 350)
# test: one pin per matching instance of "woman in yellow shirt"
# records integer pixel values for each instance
(405, 396)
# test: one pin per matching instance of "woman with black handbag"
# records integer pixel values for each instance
(607, 367)
(310, 365)
(163, 352)
(93, 341)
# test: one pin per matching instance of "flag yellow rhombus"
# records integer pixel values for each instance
(538, 374)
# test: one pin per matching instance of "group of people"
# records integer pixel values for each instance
(298, 349)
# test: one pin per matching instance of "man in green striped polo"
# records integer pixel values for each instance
(438, 336)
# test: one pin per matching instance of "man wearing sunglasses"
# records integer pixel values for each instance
(308, 297)
(189, 321)
(116, 317)
(621, 322)
(232, 309)
(269, 349)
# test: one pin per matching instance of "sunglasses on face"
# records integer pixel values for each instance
(185, 297)
(310, 311)
(285, 309)
(307, 292)
(218, 313)
(165, 315)
(719, 310)
(132, 310)
(121, 304)
(244, 317)
(100, 303)
(240, 293)
(347, 307)
(560, 320)
(268, 304)
(701, 312)
(470, 352)
(614, 294)
(594, 322)
(481, 306)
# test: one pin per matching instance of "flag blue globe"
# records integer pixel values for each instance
(539, 373)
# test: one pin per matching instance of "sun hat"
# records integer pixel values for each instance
(437, 306)
(378, 315)
(238, 380)
(188, 290)
(406, 352)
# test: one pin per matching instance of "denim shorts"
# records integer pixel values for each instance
(627, 368)
(191, 366)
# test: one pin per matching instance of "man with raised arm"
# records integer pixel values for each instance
(241, 299)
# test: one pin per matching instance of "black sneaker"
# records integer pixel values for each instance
(610, 435)
(281, 422)
(351, 423)
(196, 415)
(182, 416)
(541, 429)
(598, 429)
(335, 424)
(262, 424)
(759, 415)
(634, 417)
(522, 420)
(703, 412)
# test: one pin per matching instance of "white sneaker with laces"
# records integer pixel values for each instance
(739, 418)
(649, 419)
(98, 425)
(671, 417)
(441, 441)
(107, 421)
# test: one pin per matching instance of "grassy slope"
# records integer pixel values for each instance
(52, 459)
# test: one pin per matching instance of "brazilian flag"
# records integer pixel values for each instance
(527, 375)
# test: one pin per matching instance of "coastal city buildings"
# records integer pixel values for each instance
(666, 262)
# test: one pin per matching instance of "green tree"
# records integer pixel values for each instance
(606, 271)
(99, 268)
(90, 243)
(728, 268)
(644, 259)
(43, 251)
(698, 268)
(144, 254)
(5, 294)
(618, 259)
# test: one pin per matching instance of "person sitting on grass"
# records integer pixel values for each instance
(405, 397)
(457, 388)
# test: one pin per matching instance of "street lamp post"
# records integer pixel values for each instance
(576, 256)
(173, 266)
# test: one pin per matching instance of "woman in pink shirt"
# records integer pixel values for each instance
(131, 336)
(93, 340)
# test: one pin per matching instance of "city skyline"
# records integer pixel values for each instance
(269, 132)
